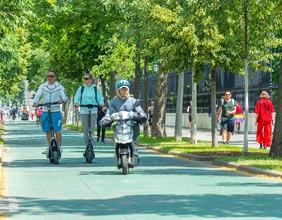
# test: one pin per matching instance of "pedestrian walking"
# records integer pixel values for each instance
(189, 110)
(264, 120)
(238, 116)
(226, 111)
(88, 94)
(51, 91)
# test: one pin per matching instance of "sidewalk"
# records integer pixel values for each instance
(206, 135)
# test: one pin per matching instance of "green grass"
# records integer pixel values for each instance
(262, 160)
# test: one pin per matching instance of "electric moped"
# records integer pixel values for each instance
(123, 139)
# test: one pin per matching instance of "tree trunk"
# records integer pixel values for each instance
(213, 109)
(179, 107)
(276, 146)
(146, 126)
(113, 84)
(136, 92)
(194, 109)
(158, 126)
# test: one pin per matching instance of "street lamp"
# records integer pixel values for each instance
(156, 67)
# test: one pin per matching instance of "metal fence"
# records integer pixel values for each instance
(225, 80)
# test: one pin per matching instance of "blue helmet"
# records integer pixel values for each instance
(122, 83)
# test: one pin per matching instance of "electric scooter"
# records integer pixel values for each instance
(89, 153)
(54, 152)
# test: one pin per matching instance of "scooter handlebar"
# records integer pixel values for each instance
(90, 106)
(48, 104)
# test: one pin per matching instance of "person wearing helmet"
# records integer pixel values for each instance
(123, 102)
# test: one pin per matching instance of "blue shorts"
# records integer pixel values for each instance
(56, 120)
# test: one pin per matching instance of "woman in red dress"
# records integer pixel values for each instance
(264, 121)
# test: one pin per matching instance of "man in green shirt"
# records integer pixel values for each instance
(226, 111)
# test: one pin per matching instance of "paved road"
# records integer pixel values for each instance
(162, 187)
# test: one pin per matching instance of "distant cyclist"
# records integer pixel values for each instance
(51, 91)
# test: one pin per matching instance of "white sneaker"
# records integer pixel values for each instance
(61, 150)
(46, 151)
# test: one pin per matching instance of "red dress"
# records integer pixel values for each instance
(264, 108)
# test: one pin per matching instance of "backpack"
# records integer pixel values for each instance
(151, 111)
(95, 91)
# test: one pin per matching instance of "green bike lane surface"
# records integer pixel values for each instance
(161, 187)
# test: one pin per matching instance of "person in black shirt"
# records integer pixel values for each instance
(101, 114)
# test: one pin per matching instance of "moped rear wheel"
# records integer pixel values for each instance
(124, 164)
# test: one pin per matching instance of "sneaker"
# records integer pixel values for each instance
(61, 150)
(135, 152)
(98, 139)
(46, 151)
(103, 140)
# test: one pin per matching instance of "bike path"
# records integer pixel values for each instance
(161, 187)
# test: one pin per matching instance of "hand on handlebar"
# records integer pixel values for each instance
(77, 104)
(35, 104)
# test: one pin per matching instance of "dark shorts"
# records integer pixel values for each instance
(190, 118)
(228, 125)
(150, 121)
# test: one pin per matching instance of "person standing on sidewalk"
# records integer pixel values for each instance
(264, 120)
(226, 110)
(88, 94)
(51, 91)
(151, 114)
(239, 116)
(189, 110)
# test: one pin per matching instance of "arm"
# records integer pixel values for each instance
(37, 96)
(219, 113)
(64, 96)
(100, 97)
(77, 97)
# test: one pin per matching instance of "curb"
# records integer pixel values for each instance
(247, 169)
(219, 163)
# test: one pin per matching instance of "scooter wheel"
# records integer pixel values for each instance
(89, 156)
(56, 157)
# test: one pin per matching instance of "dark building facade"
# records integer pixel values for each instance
(225, 80)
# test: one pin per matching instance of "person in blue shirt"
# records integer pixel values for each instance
(88, 94)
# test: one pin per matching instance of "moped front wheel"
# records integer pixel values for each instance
(124, 164)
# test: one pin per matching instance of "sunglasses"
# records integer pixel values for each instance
(85, 78)
(123, 88)
(227, 94)
(50, 76)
